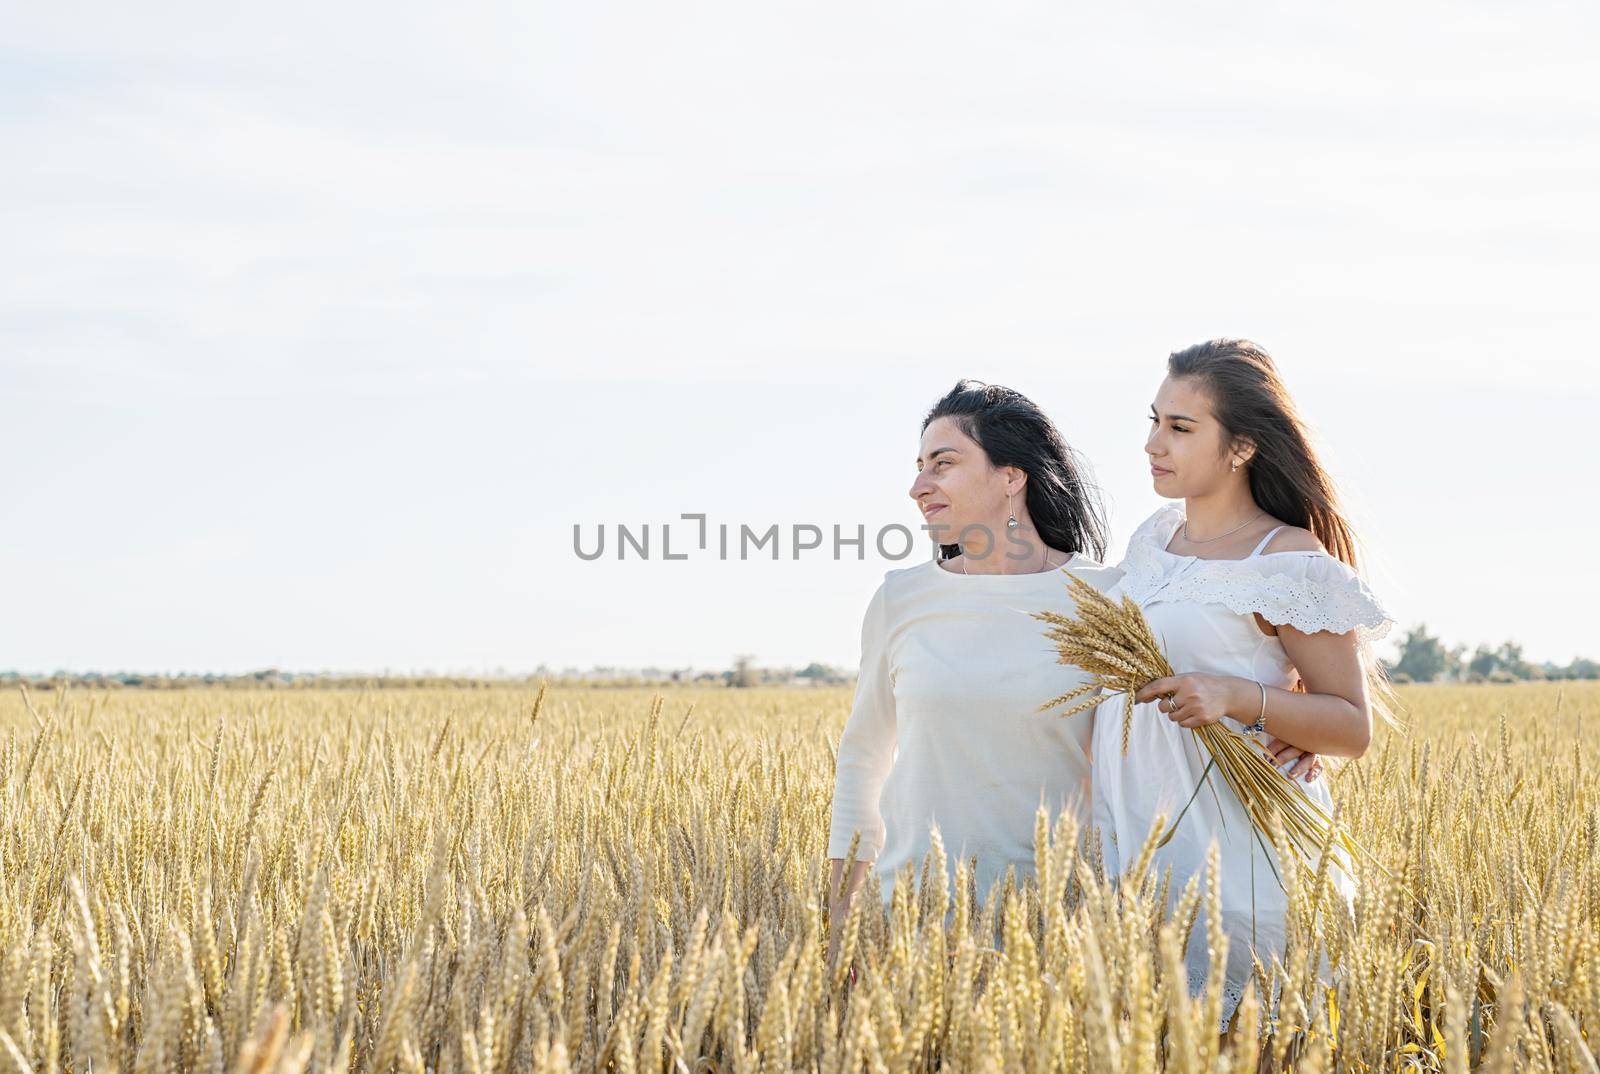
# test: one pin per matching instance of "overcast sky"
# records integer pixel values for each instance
(322, 325)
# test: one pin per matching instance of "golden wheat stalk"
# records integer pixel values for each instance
(1114, 644)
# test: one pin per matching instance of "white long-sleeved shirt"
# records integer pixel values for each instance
(944, 729)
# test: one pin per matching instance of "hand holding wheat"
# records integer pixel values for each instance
(1114, 644)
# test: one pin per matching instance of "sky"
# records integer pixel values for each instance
(322, 326)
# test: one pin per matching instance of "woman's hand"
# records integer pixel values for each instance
(1195, 699)
(1307, 765)
(841, 893)
(836, 915)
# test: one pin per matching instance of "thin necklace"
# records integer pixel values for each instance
(1047, 564)
(1219, 536)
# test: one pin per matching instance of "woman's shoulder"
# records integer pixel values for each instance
(901, 582)
(1091, 570)
(888, 596)
(1302, 585)
(1293, 539)
(1159, 525)
(1171, 511)
(902, 576)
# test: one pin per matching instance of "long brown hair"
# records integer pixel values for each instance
(1288, 481)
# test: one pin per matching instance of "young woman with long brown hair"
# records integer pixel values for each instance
(1249, 578)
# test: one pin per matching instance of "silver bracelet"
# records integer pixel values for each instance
(1261, 721)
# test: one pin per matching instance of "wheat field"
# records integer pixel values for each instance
(503, 880)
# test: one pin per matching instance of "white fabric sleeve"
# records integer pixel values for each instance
(1308, 592)
(866, 747)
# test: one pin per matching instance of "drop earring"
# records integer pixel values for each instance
(1234, 468)
(1011, 522)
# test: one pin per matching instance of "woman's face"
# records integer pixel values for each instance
(956, 486)
(1189, 453)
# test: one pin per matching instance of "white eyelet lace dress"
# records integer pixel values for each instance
(1202, 613)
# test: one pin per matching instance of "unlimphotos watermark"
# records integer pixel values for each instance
(893, 541)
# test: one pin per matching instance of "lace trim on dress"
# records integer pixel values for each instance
(1309, 591)
(1232, 994)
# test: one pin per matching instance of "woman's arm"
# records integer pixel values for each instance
(1332, 717)
(866, 752)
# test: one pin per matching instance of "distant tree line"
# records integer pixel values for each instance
(265, 679)
(743, 673)
(1424, 658)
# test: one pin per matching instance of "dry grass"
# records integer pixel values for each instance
(452, 881)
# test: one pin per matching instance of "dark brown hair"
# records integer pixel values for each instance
(1250, 400)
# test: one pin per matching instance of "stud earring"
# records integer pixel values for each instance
(1234, 468)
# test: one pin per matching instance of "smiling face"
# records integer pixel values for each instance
(1190, 453)
(956, 485)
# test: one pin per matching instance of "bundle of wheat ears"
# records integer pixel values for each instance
(1114, 644)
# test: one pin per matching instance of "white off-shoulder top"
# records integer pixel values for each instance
(1202, 611)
